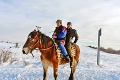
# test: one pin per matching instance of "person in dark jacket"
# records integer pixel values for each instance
(59, 36)
(71, 33)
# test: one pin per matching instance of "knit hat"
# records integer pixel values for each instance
(59, 21)
(69, 23)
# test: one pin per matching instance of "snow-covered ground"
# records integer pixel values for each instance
(26, 67)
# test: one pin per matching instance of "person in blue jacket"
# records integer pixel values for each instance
(59, 35)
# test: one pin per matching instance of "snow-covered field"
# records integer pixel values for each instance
(26, 67)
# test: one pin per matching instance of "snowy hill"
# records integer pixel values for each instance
(26, 67)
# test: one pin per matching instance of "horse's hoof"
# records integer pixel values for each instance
(71, 78)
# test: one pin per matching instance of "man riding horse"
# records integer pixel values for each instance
(70, 46)
(59, 35)
(64, 36)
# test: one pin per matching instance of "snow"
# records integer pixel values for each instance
(26, 67)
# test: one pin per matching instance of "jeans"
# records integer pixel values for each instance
(62, 48)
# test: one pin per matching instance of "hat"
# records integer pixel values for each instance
(69, 23)
(59, 21)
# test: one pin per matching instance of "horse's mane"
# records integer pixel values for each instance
(45, 39)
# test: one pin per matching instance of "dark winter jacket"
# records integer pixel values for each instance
(70, 34)
(60, 32)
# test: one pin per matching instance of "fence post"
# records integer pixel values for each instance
(98, 53)
(16, 45)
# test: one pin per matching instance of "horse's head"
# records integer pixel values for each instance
(31, 43)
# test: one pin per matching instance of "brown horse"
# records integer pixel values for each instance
(46, 45)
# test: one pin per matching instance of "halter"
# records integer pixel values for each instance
(39, 41)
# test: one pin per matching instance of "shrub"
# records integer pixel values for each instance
(13, 59)
(108, 50)
(5, 55)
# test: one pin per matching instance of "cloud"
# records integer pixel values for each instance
(18, 18)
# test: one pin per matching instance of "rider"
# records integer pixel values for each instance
(71, 33)
(59, 36)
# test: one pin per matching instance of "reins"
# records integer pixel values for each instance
(33, 47)
(39, 41)
(48, 47)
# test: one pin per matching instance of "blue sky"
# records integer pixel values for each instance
(19, 17)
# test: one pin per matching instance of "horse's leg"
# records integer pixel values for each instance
(45, 68)
(73, 70)
(55, 68)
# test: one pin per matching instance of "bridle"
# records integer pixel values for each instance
(38, 41)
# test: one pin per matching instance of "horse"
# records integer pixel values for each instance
(46, 45)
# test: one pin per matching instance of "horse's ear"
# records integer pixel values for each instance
(34, 30)
(38, 28)
(38, 31)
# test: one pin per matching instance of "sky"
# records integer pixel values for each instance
(19, 17)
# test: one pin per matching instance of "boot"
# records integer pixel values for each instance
(71, 62)
(67, 58)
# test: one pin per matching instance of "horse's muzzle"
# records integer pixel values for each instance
(23, 52)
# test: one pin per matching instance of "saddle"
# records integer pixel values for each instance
(70, 47)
